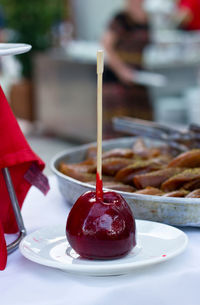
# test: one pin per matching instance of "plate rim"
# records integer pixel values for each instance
(105, 269)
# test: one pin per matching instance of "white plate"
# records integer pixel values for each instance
(14, 48)
(156, 243)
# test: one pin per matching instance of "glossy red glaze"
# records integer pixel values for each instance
(99, 229)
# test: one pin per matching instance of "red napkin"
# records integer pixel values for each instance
(25, 169)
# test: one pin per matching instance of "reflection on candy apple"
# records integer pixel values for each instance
(99, 229)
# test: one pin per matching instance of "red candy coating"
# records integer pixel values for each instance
(99, 187)
(99, 229)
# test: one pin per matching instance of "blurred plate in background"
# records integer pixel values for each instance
(14, 48)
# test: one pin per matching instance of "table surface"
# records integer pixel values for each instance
(23, 282)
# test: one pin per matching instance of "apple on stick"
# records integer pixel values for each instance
(101, 225)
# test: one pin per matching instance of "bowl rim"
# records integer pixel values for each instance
(65, 153)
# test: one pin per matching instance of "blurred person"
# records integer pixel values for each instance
(124, 41)
(188, 14)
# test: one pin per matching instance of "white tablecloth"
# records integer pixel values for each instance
(23, 282)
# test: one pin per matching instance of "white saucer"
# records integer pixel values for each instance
(14, 48)
(156, 243)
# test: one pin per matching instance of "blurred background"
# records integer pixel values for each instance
(52, 89)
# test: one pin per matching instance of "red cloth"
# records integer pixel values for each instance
(194, 7)
(16, 154)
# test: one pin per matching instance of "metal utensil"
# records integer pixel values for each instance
(13, 198)
(173, 137)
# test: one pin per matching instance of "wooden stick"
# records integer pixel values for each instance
(100, 66)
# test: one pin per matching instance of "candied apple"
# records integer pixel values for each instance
(101, 229)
